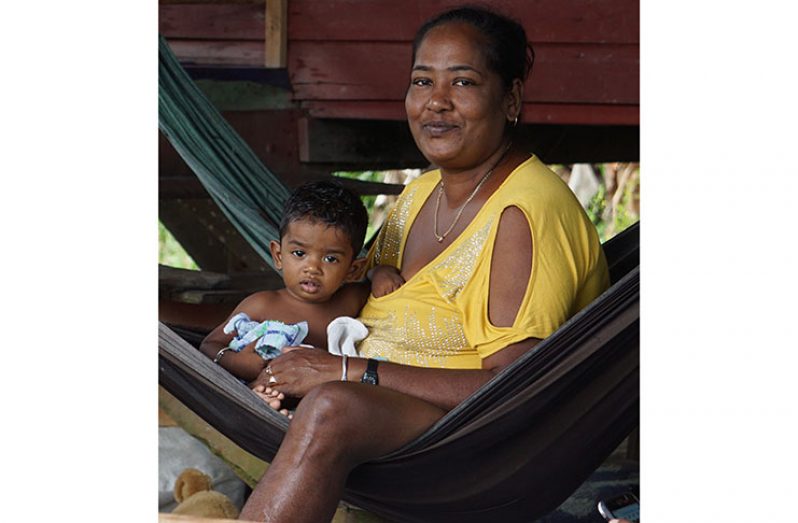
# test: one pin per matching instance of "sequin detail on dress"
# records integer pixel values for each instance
(404, 338)
(456, 269)
(390, 241)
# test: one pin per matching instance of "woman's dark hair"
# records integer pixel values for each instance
(330, 203)
(508, 52)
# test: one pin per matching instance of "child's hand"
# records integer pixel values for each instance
(384, 280)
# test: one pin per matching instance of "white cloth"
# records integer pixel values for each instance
(342, 334)
(177, 451)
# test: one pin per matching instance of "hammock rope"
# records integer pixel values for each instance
(246, 191)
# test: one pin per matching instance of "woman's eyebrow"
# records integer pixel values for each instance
(453, 68)
(463, 68)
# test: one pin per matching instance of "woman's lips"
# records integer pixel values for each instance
(438, 128)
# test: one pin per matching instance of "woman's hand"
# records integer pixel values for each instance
(298, 370)
(384, 280)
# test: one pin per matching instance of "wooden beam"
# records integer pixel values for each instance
(276, 51)
(209, 238)
(180, 187)
(246, 466)
(229, 53)
(374, 144)
(344, 514)
(182, 518)
(533, 113)
(369, 144)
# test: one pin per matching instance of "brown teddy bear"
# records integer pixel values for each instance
(195, 497)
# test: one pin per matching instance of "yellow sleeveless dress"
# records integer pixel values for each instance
(439, 317)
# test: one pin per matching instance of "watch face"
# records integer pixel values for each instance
(370, 376)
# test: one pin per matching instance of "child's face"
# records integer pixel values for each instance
(316, 259)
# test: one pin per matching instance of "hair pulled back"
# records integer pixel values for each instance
(508, 52)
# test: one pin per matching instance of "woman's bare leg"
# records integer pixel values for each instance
(336, 427)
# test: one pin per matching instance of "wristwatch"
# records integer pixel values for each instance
(370, 376)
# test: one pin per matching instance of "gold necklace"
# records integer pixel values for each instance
(443, 236)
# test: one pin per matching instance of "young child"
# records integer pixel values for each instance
(321, 234)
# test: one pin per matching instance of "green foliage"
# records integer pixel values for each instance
(625, 214)
(171, 253)
(595, 211)
(612, 213)
(368, 200)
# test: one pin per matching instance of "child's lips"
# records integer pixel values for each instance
(310, 286)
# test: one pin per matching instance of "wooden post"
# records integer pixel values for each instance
(276, 41)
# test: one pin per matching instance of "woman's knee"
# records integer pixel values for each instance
(325, 416)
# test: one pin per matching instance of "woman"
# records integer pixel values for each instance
(492, 253)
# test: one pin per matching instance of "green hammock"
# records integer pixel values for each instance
(250, 195)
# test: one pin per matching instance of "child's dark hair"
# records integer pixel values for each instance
(330, 203)
(508, 51)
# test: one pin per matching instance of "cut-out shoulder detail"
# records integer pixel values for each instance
(440, 317)
(511, 266)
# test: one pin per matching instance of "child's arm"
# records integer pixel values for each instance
(246, 364)
(384, 280)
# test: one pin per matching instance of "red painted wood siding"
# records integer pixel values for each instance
(351, 58)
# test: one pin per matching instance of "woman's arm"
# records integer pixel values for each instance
(444, 388)
(300, 370)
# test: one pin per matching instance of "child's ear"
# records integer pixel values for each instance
(356, 269)
(274, 246)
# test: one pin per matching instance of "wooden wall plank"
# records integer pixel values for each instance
(562, 21)
(581, 114)
(575, 73)
(212, 21)
(171, 2)
(228, 53)
(610, 21)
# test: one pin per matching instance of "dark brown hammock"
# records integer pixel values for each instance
(513, 451)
